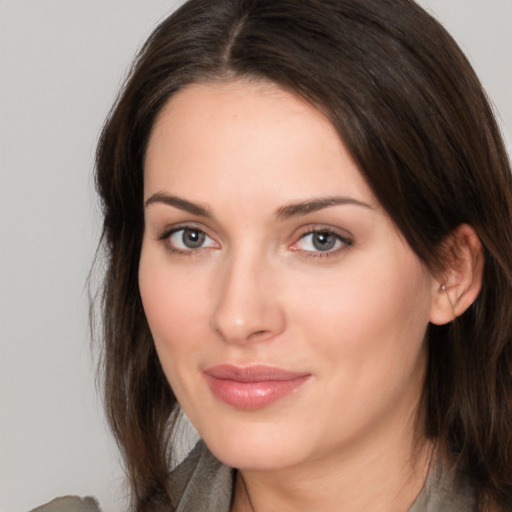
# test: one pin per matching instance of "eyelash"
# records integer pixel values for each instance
(343, 241)
(166, 235)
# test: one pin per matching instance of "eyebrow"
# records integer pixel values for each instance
(284, 212)
(180, 203)
(314, 205)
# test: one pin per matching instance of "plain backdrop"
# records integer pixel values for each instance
(61, 63)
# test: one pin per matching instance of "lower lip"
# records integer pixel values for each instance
(253, 395)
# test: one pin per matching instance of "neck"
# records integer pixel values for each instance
(384, 477)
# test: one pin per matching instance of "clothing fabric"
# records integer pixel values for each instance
(70, 504)
(203, 484)
(207, 485)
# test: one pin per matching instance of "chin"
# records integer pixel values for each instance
(256, 446)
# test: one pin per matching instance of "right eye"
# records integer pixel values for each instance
(188, 239)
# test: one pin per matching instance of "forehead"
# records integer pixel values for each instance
(250, 136)
(230, 105)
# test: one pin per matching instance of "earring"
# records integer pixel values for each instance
(443, 288)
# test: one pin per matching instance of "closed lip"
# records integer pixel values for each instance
(256, 373)
(252, 387)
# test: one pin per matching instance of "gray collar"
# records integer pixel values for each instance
(203, 484)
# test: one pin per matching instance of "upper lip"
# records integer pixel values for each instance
(254, 373)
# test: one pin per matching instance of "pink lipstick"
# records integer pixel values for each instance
(252, 387)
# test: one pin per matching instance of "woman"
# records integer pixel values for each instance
(307, 224)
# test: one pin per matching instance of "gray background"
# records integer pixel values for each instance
(61, 63)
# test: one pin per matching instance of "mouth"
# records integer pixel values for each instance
(252, 387)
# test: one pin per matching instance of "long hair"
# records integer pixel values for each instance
(412, 113)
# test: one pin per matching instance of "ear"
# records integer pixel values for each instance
(460, 281)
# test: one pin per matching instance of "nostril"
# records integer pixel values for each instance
(259, 335)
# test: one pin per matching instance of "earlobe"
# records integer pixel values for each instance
(461, 280)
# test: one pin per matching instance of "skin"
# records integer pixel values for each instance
(258, 291)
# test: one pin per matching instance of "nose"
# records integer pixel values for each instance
(248, 307)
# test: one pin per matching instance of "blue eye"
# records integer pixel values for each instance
(189, 239)
(321, 241)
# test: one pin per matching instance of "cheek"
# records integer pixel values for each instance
(370, 318)
(366, 332)
(176, 311)
(175, 304)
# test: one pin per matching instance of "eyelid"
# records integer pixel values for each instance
(343, 236)
(166, 233)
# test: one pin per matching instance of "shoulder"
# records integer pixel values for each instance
(70, 504)
(200, 483)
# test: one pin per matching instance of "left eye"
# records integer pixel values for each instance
(320, 241)
(187, 239)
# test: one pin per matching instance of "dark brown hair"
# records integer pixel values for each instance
(413, 114)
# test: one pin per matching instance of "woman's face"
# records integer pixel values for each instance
(288, 312)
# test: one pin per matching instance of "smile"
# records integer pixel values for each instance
(252, 387)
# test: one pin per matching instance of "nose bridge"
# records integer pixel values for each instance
(247, 305)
